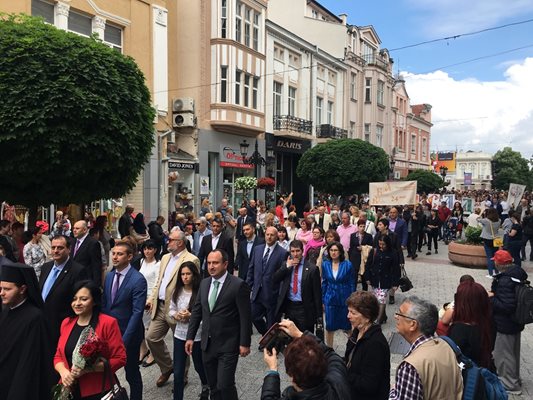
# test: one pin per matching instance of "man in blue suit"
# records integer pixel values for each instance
(124, 299)
(398, 226)
(265, 260)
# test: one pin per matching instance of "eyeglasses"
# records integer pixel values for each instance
(172, 240)
(405, 316)
(197, 224)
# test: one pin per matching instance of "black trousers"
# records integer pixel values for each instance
(220, 371)
(295, 311)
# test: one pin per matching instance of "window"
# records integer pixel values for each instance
(292, 101)
(367, 132)
(379, 136)
(254, 92)
(368, 90)
(43, 9)
(238, 87)
(223, 84)
(381, 88)
(246, 90)
(255, 40)
(318, 111)
(352, 129)
(330, 113)
(413, 144)
(79, 24)
(278, 93)
(113, 37)
(238, 22)
(247, 13)
(353, 86)
(368, 53)
(424, 147)
(223, 18)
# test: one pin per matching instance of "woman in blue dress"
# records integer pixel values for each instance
(338, 282)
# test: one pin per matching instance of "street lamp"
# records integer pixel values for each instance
(443, 171)
(392, 163)
(256, 159)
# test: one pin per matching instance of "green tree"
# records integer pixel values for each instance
(427, 181)
(344, 166)
(76, 122)
(510, 167)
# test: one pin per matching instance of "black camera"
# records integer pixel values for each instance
(275, 338)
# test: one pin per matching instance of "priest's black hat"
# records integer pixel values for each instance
(22, 274)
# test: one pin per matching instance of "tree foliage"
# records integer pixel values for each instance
(427, 181)
(344, 166)
(510, 167)
(76, 122)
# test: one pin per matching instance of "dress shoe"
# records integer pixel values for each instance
(147, 364)
(163, 378)
(141, 361)
(391, 299)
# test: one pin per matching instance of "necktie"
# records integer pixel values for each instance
(77, 247)
(295, 280)
(213, 297)
(115, 287)
(50, 281)
(265, 257)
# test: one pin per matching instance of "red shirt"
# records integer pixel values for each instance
(444, 213)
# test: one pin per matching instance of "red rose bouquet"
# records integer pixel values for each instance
(88, 348)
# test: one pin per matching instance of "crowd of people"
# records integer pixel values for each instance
(211, 278)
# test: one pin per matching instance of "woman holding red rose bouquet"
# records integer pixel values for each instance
(85, 337)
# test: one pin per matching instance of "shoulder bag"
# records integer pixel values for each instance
(404, 282)
(117, 392)
(497, 241)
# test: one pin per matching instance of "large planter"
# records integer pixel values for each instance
(467, 255)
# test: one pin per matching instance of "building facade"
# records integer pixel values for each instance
(473, 170)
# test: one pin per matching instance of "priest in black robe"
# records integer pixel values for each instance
(25, 347)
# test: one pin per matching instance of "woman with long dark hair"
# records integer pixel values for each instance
(86, 306)
(138, 229)
(471, 328)
(181, 304)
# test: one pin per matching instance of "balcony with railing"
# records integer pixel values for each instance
(374, 60)
(291, 126)
(328, 131)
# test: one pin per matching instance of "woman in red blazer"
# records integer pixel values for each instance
(86, 303)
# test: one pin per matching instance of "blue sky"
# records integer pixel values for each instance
(481, 105)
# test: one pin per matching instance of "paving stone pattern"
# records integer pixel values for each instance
(434, 278)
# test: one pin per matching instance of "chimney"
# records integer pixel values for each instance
(344, 17)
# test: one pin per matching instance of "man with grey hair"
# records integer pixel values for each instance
(429, 370)
(201, 231)
(345, 230)
(158, 301)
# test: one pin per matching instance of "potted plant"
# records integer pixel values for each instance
(469, 252)
(245, 183)
(266, 183)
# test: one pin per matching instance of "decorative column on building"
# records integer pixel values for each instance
(62, 10)
(98, 26)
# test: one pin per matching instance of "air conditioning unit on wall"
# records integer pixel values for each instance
(182, 105)
(183, 120)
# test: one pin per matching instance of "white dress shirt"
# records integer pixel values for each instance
(167, 275)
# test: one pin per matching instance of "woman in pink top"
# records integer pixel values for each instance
(304, 233)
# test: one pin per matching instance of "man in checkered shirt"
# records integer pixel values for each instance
(429, 370)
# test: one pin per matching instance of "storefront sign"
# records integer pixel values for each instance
(181, 165)
(204, 186)
(286, 145)
(230, 159)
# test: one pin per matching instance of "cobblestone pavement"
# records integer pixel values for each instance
(434, 278)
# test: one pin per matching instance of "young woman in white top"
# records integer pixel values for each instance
(150, 271)
(183, 299)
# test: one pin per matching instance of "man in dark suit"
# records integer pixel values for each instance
(56, 282)
(201, 232)
(223, 307)
(217, 240)
(126, 221)
(266, 260)
(357, 241)
(87, 252)
(398, 226)
(242, 220)
(300, 293)
(124, 299)
(245, 248)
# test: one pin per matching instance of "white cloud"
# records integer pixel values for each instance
(469, 114)
(448, 17)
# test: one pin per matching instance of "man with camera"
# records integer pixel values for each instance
(316, 371)
(300, 293)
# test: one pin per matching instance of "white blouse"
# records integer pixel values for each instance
(150, 272)
(181, 327)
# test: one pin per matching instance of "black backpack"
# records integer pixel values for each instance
(524, 303)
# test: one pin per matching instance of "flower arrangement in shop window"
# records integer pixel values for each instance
(266, 183)
(245, 183)
(87, 351)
